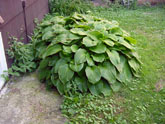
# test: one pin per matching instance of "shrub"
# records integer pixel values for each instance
(84, 53)
(68, 7)
(23, 56)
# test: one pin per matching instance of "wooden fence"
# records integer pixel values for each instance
(18, 21)
(152, 2)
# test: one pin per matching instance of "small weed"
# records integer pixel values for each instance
(23, 58)
(89, 109)
(68, 7)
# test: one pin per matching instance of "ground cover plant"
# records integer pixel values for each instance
(82, 53)
(68, 7)
(23, 58)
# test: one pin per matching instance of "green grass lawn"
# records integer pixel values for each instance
(143, 100)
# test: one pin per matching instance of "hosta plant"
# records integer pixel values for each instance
(84, 53)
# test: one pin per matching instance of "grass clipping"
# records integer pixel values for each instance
(82, 53)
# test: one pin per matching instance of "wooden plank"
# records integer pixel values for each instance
(9, 9)
(36, 10)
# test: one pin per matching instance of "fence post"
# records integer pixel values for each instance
(24, 15)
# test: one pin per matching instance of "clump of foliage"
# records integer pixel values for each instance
(23, 57)
(132, 4)
(89, 109)
(68, 7)
(84, 53)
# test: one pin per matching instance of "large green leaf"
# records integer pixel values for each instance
(100, 48)
(100, 87)
(44, 63)
(131, 40)
(43, 73)
(58, 29)
(51, 50)
(60, 87)
(74, 48)
(59, 63)
(108, 72)
(98, 57)
(99, 26)
(80, 56)
(113, 37)
(47, 35)
(134, 64)
(67, 49)
(109, 42)
(47, 29)
(114, 58)
(58, 20)
(126, 75)
(137, 57)
(104, 88)
(53, 61)
(89, 60)
(116, 86)
(65, 73)
(95, 35)
(45, 23)
(93, 74)
(66, 38)
(88, 42)
(54, 79)
(116, 31)
(81, 82)
(76, 67)
(93, 89)
(78, 31)
(124, 43)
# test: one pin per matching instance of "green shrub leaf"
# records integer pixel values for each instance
(98, 57)
(74, 48)
(82, 85)
(78, 31)
(76, 67)
(116, 86)
(114, 58)
(65, 73)
(59, 63)
(88, 42)
(80, 56)
(93, 74)
(108, 72)
(60, 87)
(52, 49)
(100, 48)
(134, 65)
(89, 60)
(47, 35)
(109, 42)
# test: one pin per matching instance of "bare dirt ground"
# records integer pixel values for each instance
(26, 101)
